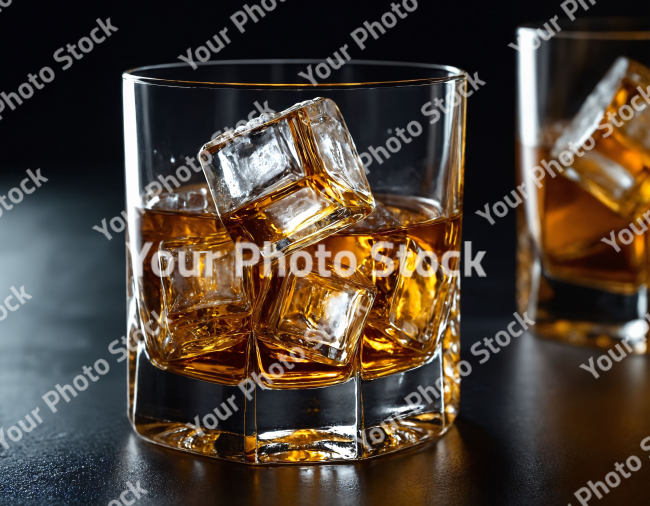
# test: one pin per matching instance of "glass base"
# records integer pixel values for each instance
(601, 336)
(253, 424)
(390, 423)
(587, 316)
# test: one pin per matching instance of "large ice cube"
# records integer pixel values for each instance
(321, 314)
(286, 181)
(412, 287)
(208, 300)
(616, 118)
(410, 307)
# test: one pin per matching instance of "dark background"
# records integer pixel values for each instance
(534, 427)
(74, 124)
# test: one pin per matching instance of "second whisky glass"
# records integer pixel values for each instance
(576, 286)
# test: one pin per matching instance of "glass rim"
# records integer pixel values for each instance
(455, 74)
(587, 28)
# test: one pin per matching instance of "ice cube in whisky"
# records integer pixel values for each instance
(613, 128)
(316, 314)
(285, 181)
(393, 248)
(180, 220)
(207, 295)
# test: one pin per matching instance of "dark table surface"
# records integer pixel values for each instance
(533, 429)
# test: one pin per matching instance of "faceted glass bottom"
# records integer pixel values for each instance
(354, 420)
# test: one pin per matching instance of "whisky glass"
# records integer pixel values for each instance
(578, 288)
(232, 393)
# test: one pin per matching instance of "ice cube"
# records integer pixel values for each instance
(410, 306)
(617, 169)
(289, 179)
(322, 315)
(412, 288)
(254, 164)
(208, 301)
